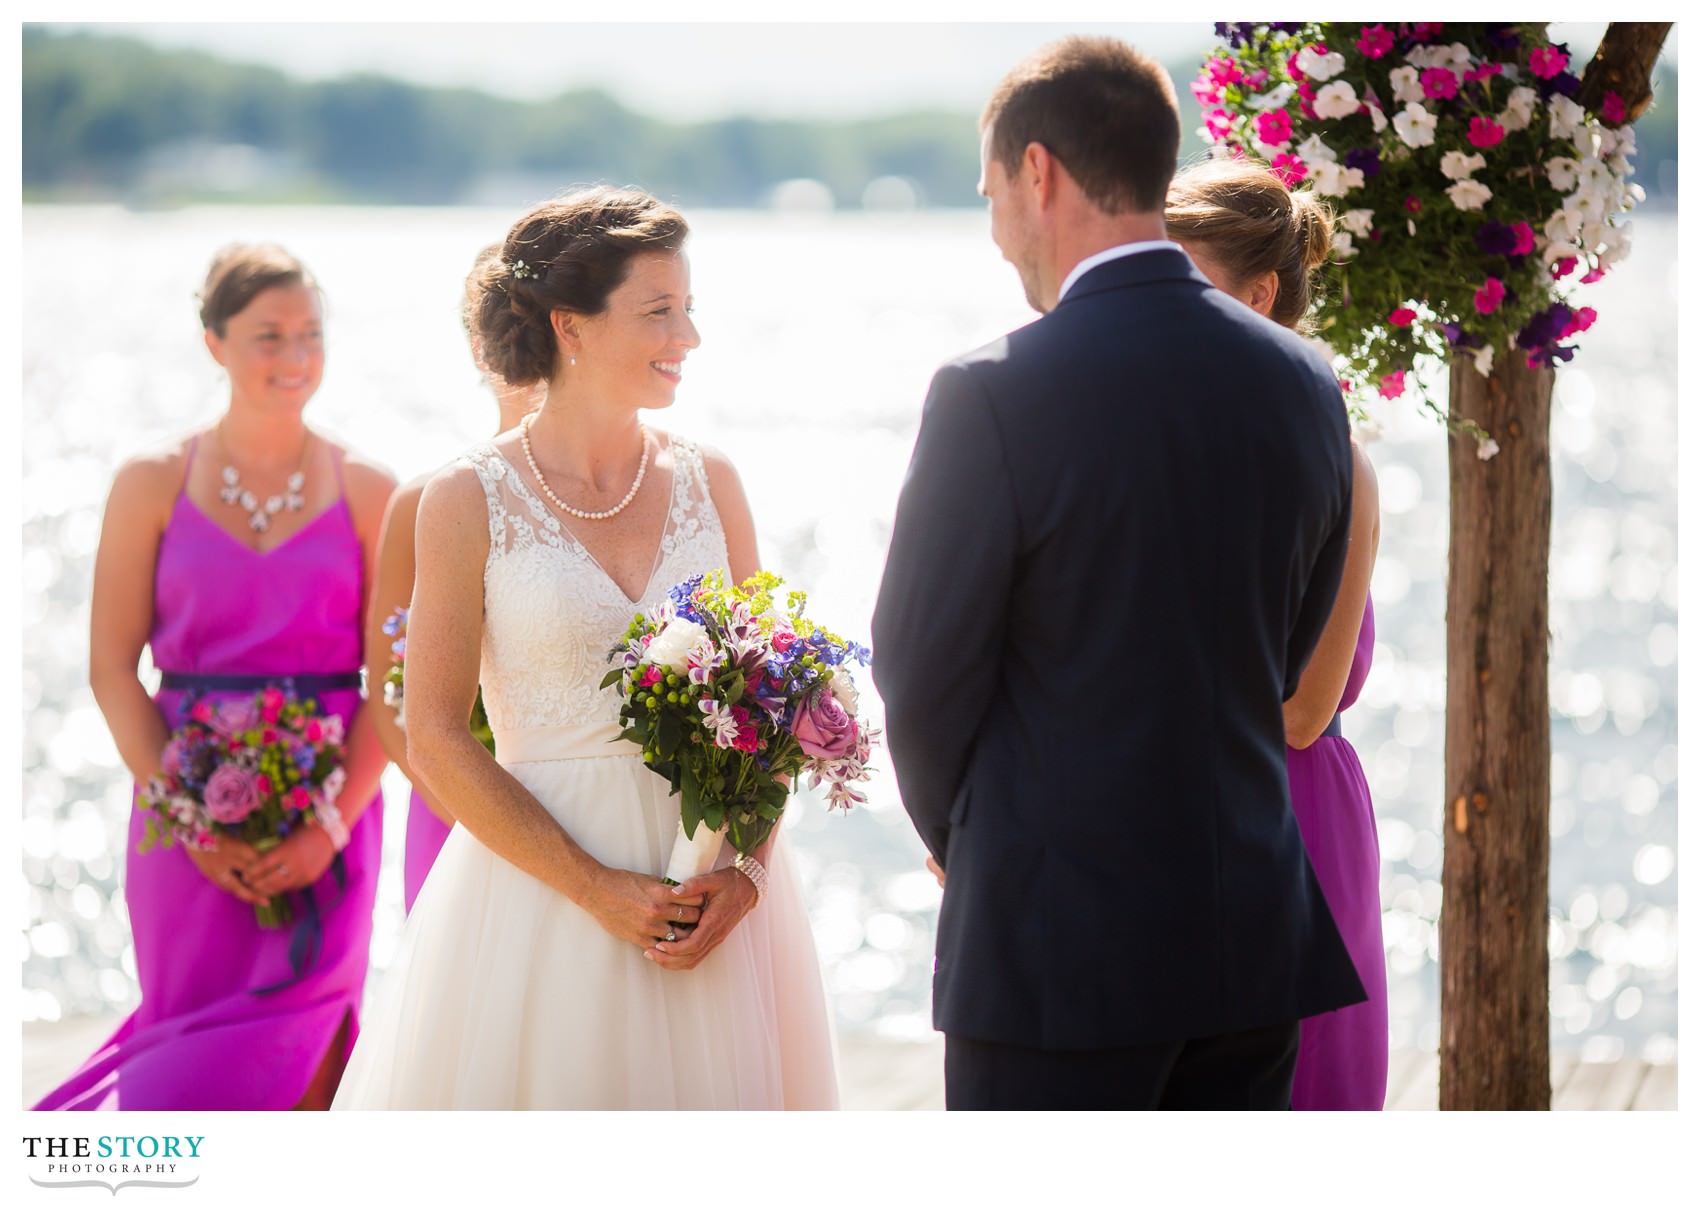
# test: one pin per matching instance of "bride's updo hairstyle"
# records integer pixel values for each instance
(241, 271)
(568, 254)
(1237, 213)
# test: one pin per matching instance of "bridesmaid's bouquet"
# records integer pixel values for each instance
(728, 694)
(396, 628)
(256, 769)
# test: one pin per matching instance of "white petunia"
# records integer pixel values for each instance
(1519, 109)
(1335, 180)
(1486, 448)
(1568, 118)
(1359, 222)
(1336, 100)
(1314, 151)
(1617, 243)
(1456, 57)
(1321, 67)
(1469, 195)
(1582, 209)
(1594, 176)
(1377, 119)
(1414, 126)
(1457, 165)
(1275, 98)
(1484, 361)
(1342, 245)
(1560, 229)
(1561, 172)
(1407, 84)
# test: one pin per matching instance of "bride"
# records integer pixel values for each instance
(545, 964)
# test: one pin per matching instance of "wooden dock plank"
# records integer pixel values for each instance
(1422, 1090)
(1657, 1091)
(1600, 1086)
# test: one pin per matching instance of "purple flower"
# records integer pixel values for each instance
(174, 758)
(1496, 239)
(823, 728)
(1366, 160)
(239, 715)
(1544, 327)
(1505, 37)
(231, 795)
(1458, 338)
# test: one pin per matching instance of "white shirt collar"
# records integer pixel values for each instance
(1111, 254)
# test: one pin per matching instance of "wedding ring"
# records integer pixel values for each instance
(672, 937)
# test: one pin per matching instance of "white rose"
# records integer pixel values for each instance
(673, 642)
(1568, 118)
(1358, 222)
(1314, 151)
(844, 690)
(1457, 165)
(1321, 67)
(1519, 109)
(1469, 195)
(1407, 84)
(1561, 171)
(1336, 100)
(1484, 361)
(1342, 245)
(1414, 125)
(1336, 181)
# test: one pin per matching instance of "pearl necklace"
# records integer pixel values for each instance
(537, 474)
(260, 516)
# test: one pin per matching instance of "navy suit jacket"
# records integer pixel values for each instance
(1120, 536)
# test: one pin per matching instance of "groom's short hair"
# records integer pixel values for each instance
(1104, 109)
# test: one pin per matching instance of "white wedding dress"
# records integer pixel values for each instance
(503, 993)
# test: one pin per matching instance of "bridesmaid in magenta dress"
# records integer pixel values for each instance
(428, 819)
(1260, 243)
(263, 585)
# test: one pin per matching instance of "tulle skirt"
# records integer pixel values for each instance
(506, 995)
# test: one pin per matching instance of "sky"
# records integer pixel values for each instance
(692, 71)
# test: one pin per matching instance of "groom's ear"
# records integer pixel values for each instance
(1039, 173)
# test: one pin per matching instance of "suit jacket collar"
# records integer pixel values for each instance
(1157, 265)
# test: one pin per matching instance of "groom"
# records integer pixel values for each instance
(1119, 538)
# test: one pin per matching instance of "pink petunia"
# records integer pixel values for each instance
(1485, 132)
(1441, 82)
(1374, 41)
(1393, 385)
(1346, 385)
(1613, 110)
(1581, 321)
(1257, 79)
(313, 730)
(1483, 71)
(1525, 239)
(1289, 169)
(1401, 317)
(300, 798)
(1413, 204)
(1564, 268)
(1274, 127)
(1547, 61)
(1207, 91)
(1490, 296)
(1427, 29)
(1224, 71)
(1593, 275)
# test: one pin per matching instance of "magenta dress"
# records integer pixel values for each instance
(425, 835)
(1342, 1062)
(203, 1037)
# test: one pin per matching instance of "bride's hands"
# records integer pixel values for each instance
(639, 909)
(726, 896)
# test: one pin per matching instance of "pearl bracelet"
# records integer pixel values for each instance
(755, 872)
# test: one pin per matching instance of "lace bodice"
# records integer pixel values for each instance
(551, 613)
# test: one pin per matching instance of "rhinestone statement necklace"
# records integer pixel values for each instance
(260, 514)
(537, 474)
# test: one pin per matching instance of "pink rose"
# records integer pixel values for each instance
(239, 715)
(650, 676)
(201, 712)
(313, 730)
(300, 798)
(1401, 317)
(231, 795)
(823, 728)
(332, 729)
(174, 756)
(1393, 385)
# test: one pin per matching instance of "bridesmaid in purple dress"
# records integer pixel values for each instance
(428, 819)
(1259, 243)
(235, 591)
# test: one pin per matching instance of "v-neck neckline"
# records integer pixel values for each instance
(660, 542)
(340, 502)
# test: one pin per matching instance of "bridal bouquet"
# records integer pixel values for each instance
(256, 769)
(396, 628)
(728, 693)
(1475, 188)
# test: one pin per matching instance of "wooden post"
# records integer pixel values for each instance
(1493, 922)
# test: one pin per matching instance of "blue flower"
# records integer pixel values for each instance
(682, 595)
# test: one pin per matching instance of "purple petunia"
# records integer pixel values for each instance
(1544, 327)
(1366, 160)
(1458, 338)
(1496, 239)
